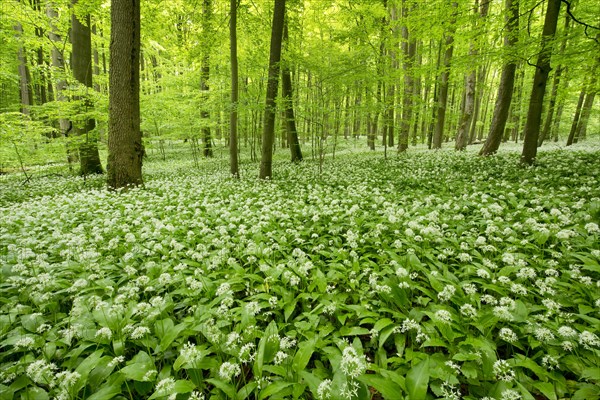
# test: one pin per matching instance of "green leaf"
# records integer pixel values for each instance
(267, 347)
(227, 388)
(273, 388)
(302, 356)
(592, 374)
(246, 391)
(417, 380)
(137, 368)
(547, 389)
(388, 389)
(587, 392)
(110, 389)
(184, 386)
(34, 393)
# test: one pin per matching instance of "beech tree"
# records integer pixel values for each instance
(507, 82)
(542, 69)
(268, 135)
(233, 121)
(125, 149)
(81, 39)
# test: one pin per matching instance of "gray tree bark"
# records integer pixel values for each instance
(125, 149)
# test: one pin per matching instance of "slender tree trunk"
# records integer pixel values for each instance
(576, 116)
(58, 70)
(557, 75)
(24, 76)
(438, 134)
(233, 117)
(81, 39)
(586, 110)
(409, 46)
(462, 136)
(205, 76)
(288, 101)
(125, 149)
(507, 81)
(542, 69)
(268, 136)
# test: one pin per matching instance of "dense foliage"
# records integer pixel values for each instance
(429, 275)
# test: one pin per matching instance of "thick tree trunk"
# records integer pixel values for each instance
(81, 39)
(438, 134)
(125, 149)
(542, 69)
(287, 93)
(233, 116)
(507, 82)
(268, 136)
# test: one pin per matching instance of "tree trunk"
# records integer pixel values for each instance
(550, 114)
(575, 122)
(507, 82)
(580, 133)
(462, 136)
(233, 116)
(438, 134)
(409, 46)
(205, 75)
(24, 76)
(81, 64)
(534, 114)
(287, 93)
(125, 149)
(268, 136)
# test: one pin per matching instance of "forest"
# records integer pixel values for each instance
(299, 199)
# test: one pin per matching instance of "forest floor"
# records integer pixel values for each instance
(425, 275)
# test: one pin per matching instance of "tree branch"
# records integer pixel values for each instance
(595, 39)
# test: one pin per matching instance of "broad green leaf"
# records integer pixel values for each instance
(227, 388)
(138, 367)
(587, 392)
(303, 354)
(246, 391)
(109, 390)
(547, 389)
(267, 347)
(388, 389)
(273, 388)
(34, 393)
(417, 380)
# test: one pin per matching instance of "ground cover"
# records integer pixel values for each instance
(428, 275)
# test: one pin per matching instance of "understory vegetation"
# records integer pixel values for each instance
(428, 275)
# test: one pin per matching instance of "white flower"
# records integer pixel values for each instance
(228, 370)
(508, 335)
(224, 288)
(503, 371)
(165, 386)
(352, 364)
(115, 361)
(41, 372)
(588, 340)
(324, 390)
(509, 394)
(443, 316)
(139, 332)
(468, 310)
(592, 228)
(543, 334)
(104, 333)
(447, 293)
(26, 342)
(280, 357)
